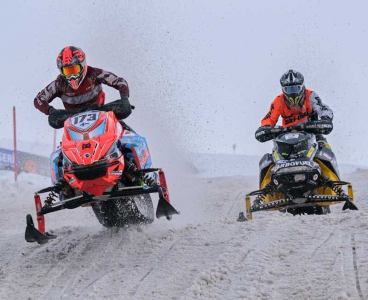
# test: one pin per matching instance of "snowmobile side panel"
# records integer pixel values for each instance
(332, 176)
(55, 166)
(329, 159)
(264, 164)
(138, 145)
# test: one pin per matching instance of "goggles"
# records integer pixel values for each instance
(71, 70)
(292, 89)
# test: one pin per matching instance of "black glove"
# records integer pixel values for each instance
(263, 133)
(57, 117)
(323, 126)
(121, 107)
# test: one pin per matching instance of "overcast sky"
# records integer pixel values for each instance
(202, 74)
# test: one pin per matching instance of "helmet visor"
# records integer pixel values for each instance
(292, 89)
(71, 70)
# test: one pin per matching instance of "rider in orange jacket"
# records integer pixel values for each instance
(295, 105)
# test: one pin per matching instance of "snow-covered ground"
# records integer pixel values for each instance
(201, 254)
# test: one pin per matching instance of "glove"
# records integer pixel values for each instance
(263, 133)
(52, 109)
(121, 107)
(323, 126)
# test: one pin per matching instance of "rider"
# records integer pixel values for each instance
(295, 105)
(80, 87)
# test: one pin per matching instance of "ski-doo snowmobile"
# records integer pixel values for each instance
(300, 176)
(107, 166)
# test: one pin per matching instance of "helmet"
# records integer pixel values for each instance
(71, 62)
(292, 84)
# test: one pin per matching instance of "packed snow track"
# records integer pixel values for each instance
(201, 254)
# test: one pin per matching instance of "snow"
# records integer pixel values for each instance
(201, 254)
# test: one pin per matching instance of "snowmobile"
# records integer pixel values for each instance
(104, 164)
(301, 175)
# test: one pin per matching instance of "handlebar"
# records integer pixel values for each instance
(121, 107)
(264, 133)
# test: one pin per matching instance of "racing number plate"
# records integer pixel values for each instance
(85, 120)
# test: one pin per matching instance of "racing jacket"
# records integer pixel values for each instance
(89, 92)
(291, 115)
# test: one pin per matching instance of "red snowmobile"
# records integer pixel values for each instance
(104, 164)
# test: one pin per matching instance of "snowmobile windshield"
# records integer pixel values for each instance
(77, 136)
(299, 149)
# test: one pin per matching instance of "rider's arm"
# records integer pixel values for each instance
(49, 93)
(273, 114)
(320, 108)
(112, 80)
(121, 107)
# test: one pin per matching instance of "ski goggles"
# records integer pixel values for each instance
(71, 70)
(292, 89)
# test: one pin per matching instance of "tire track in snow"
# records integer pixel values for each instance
(154, 267)
(357, 281)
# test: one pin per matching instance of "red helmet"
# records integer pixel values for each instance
(71, 62)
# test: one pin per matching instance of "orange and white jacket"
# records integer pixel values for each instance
(292, 115)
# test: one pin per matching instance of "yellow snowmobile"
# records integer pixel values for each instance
(300, 176)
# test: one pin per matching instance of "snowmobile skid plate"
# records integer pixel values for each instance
(34, 235)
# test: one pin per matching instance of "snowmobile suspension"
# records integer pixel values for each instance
(335, 186)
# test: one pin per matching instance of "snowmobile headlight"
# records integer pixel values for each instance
(113, 152)
(293, 169)
(299, 177)
(67, 163)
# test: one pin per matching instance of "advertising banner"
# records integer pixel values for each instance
(27, 162)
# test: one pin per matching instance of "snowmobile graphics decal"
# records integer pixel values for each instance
(116, 172)
(85, 121)
(293, 164)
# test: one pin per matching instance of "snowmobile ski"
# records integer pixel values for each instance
(164, 208)
(34, 235)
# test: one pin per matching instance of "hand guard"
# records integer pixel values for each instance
(264, 133)
(323, 126)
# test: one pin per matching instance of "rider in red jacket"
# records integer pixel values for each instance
(295, 105)
(80, 87)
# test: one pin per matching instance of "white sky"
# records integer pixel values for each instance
(202, 74)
